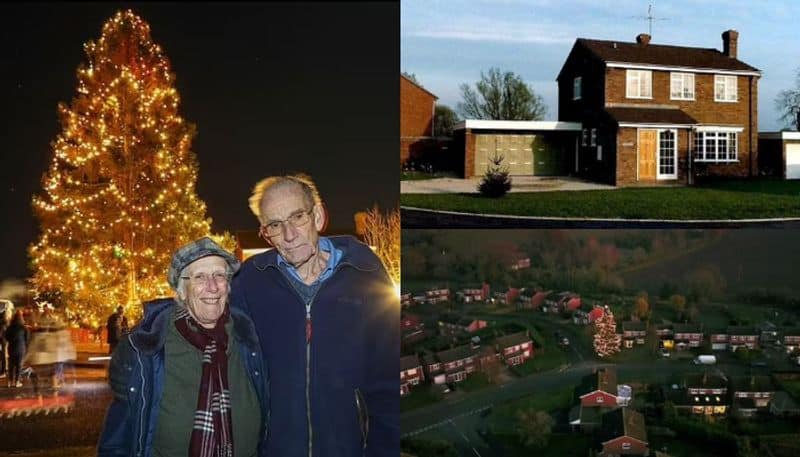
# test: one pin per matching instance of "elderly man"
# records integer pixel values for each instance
(328, 320)
(201, 358)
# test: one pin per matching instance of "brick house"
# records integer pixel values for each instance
(412, 329)
(688, 335)
(598, 389)
(791, 339)
(452, 324)
(719, 339)
(623, 432)
(758, 388)
(515, 348)
(534, 301)
(706, 394)
(410, 373)
(417, 107)
(458, 362)
(666, 336)
(437, 295)
(474, 294)
(658, 114)
(739, 337)
(633, 333)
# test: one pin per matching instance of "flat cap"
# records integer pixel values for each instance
(195, 250)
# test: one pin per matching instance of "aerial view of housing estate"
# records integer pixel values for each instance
(600, 343)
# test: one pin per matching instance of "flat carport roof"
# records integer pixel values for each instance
(480, 124)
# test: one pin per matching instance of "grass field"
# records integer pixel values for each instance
(729, 200)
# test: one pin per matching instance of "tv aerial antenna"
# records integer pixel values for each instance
(650, 18)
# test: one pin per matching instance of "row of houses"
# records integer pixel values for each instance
(630, 113)
(685, 336)
(455, 364)
(603, 405)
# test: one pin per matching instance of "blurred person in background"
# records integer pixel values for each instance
(17, 336)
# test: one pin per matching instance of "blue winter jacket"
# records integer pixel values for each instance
(339, 393)
(136, 375)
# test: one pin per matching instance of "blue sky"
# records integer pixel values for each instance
(447, 43)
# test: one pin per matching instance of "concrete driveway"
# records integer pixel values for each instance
(518, 184)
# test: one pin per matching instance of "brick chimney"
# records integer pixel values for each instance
(643, 39)
(730, 41)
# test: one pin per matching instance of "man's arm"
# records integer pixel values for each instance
(382, 392)
(117, 436)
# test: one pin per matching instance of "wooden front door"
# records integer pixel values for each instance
(647, 154)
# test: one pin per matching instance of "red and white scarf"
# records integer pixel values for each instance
(212, 433)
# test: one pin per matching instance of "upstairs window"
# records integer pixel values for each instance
(724, 88)
(576, 88)
(593, 140)
(681, 86)
(639, 84)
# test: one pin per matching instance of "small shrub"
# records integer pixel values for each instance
(495, 182)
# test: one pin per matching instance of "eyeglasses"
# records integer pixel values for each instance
(201, 279)
(275, 228)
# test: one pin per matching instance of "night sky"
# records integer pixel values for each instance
(272, 89)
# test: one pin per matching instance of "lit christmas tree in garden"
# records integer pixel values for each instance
(119, 196)
(606, 340)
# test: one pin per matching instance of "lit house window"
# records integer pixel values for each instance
(600, 399)
(638, 84)
(626, 446)
(576, 88)
(593, 138)
(724, 88)
(716, 147)
(681, 86)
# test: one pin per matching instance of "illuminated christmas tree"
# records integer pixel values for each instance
(119, 196)
(606, 340)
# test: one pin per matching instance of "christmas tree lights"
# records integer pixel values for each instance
(119, 195)
(606, 340)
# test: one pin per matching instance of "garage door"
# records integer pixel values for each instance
(793, 161)
(516, 150)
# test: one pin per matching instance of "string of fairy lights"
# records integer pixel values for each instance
(119, 194)
(606, 341)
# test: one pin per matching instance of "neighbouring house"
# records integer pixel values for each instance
(412, 329)
(458, 362)
(791, 339)
(703, 394)
(563, 301)
(515, 348)
(474, 294)
(783, 405)
(660, 114)
(536, 300)
(598, 389)
(453, 324)
(521, 264)
(411, 373)
(633, 333)
(767, 333)
(417, 108)
(511, 295)
(437, 295)
(742, 336)
(779, 154)
(623, 432)
(719, 339)
(587, 314)
(539, 148)
(688, 335)
(758, 388)
(666, 336)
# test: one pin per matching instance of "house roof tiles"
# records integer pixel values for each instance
(408, 362)
(624, 422)
(657, 54)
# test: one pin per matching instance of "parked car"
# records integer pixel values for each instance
(664, 353)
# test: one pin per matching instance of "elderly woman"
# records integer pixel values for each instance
(189, 379)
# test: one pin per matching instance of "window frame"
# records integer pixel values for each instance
(705, 138)
(577, 88)
(725, 79)
(630, 76)
(682, 78)
(674, 174)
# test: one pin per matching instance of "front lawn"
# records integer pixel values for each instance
(422, 395)
(735, 200)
